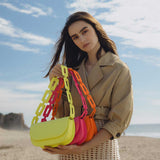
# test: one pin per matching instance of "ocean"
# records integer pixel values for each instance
(147, 130)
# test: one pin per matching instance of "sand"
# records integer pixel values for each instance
(16, 145)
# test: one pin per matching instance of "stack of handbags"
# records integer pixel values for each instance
(84, 124)
(67, 130)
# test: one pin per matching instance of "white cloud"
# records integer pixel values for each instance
(89, 5)
(151, 59)
(33, 86)
(20, 47)
(7, 29)
(137, 22)
(28, 9)
(25, 86)
(155, 102)
(21, 97)
(11, 101)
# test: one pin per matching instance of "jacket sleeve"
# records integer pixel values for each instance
(121, 104)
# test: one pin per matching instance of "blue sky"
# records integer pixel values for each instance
(29, 30)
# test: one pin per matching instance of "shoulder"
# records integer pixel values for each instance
(113, 61)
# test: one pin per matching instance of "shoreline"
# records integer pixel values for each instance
(16, 144)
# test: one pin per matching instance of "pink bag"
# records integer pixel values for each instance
(89, 120)
(80, 125)
(80, 131)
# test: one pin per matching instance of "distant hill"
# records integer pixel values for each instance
(12, 121)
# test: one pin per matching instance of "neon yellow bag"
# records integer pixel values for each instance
(54, 132)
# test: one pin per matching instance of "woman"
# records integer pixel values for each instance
(88, 49)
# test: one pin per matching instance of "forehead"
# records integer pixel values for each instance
(77, 26)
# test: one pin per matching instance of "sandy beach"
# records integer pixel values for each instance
(16, 145)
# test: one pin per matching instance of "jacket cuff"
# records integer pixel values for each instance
(113, 129)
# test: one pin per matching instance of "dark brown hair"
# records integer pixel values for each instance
(73, 56)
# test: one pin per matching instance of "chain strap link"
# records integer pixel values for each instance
(46, 97)
(85, 91)
(69, 96)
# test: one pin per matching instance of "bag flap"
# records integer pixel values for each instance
(49, 129)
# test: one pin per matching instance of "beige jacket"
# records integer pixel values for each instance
(109, 83)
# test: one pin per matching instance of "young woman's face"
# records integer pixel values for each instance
(83, 35)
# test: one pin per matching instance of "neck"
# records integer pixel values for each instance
(92, 59)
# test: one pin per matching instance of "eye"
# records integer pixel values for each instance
(85, 31)
(75, 37)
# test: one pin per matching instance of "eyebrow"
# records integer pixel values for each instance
(79, 31)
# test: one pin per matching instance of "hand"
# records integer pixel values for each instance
(70, 149)
(55, 72)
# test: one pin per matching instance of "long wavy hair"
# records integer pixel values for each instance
(72, 55)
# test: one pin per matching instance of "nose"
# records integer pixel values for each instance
(81, 38)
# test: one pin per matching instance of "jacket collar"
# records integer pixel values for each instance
(96, 73)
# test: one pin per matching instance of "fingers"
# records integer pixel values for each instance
(54, 150)
(55, 72)
(51, 150)
(62, 149)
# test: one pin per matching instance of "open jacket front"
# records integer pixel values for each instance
(109, 83)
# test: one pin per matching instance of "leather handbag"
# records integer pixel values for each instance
(57, 131)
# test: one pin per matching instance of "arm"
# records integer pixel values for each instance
(121, 104)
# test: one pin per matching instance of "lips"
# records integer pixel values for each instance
(85, 45)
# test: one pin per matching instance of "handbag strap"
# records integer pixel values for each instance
(57, 99)
(46, 97)
(53, 102)
(85, 112)
(86, 92)
(67, 87)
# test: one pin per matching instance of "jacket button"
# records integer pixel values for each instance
(112, 138)
(118, 135)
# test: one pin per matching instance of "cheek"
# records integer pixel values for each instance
(76, 43)
(95, 37)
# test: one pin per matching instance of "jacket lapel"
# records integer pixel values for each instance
(94, 76)
(96, 73)
(82, 72)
